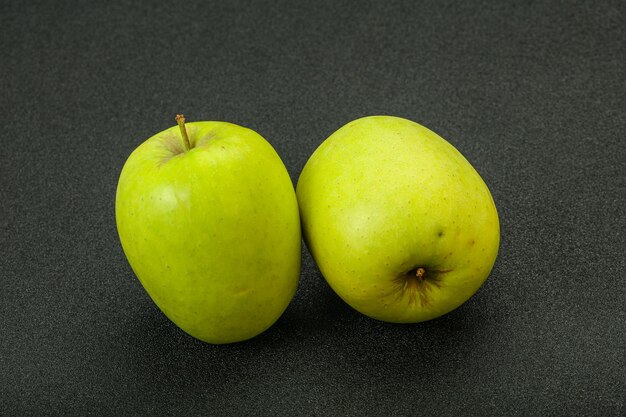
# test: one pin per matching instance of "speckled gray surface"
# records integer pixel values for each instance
(531, 92)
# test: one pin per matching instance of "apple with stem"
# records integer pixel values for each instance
(400, 224)
(208, 219)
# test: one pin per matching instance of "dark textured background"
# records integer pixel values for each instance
(531, 92)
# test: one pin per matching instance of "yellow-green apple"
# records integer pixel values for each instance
(400, 224)
(208, 219)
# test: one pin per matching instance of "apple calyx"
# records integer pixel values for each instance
(417, 284)
(180, 120)
(420, 273)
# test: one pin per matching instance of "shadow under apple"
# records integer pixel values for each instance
(318, 341)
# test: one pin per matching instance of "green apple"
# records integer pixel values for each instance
(400, 224)
(208, 219)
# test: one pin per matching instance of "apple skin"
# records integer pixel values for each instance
(383, 197)
(213, 233)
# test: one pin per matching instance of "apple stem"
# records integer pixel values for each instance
(180, 119)
(420, 272)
